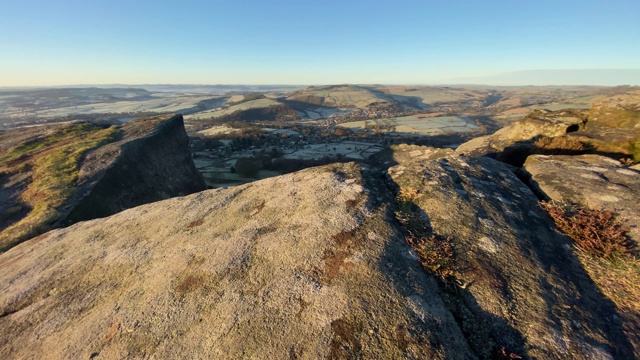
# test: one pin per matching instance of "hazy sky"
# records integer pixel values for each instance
(58, 42)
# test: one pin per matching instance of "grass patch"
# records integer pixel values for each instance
(618, 278)
(608, 257)
(615, 118)
(634, 149)
(436, 255)
(54, 162)
(560, 145)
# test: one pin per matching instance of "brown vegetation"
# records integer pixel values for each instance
(560, 145)
(595, 231)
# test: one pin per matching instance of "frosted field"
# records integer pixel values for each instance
(318, 113)
(349, 149)
(217, 171)
(216, 130)
(253, 104)
(419, 125)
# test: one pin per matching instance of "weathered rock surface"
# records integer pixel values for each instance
(405, 153)
(306, 265)
(590, 181)
(543, 122)
(521, 286)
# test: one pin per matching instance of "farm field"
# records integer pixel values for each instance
(216, 113)
(417, 124)
(433, 95)
(343, 96)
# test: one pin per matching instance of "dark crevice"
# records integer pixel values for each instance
(524, 176)
(573, 128)
(7, 313)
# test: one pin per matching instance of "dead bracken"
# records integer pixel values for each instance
(598, 232)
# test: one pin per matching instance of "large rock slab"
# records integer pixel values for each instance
(543, 122)
(591, 181)
(520, 285)
(301, 266)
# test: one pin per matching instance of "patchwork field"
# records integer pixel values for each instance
(217, 171)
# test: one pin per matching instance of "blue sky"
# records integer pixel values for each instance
(63, 42)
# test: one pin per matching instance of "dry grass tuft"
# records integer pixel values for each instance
(618, 277)
(595, 231)
(436, 254)
(408, 194)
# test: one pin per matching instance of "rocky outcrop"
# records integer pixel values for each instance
(513, 142)
(303, 266)
(314, 265)
(152, 162)
(590, 181)
(543, 122)
(520, 286)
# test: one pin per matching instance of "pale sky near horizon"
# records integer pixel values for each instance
(67, 42)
